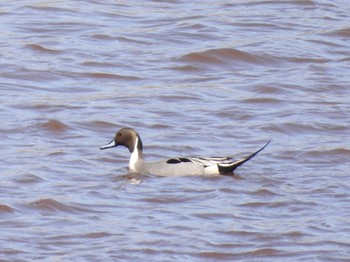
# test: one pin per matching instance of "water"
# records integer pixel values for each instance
(194, 79)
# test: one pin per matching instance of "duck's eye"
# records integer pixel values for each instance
(119, 134)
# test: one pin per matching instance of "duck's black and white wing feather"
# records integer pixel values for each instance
(222, 165)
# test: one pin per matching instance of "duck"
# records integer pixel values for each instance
(176, 166)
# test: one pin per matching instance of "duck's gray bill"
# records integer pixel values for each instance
(109, 145)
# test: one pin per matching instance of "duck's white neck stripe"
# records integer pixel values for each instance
(134, 156)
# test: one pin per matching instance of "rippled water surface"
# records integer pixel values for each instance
(193, 78)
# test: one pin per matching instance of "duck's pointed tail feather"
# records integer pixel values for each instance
(228, 169)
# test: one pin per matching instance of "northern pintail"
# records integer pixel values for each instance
(129, 138)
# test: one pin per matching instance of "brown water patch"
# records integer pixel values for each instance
(326, 155)
(305, 60)
(49, 204)
(265, 204)
(213, 256)
(187, 68)
(48, 8)
(97, 235)
(31, 75)
(283, 4)
(262, 100)
(265, 252)
(99, 123)
(103, 37)
(6, 209)
(111, 76)
(132, 40)
(40, 48)
(344, 33)
(264, 192)
(29, 179)
(292, 128)
(160, 126)
(57, 153)
(97, 64)
(53, 125)
(224, 56)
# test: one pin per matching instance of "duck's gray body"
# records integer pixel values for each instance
(129, 138)
(162, 168)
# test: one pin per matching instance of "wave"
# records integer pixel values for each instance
(111, 76)
(49, 204)
(40, 48)
(226, 56)
(53, 125)
(6, 209)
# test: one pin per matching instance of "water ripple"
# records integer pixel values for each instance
(195, 79)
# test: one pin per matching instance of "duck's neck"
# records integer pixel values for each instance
(136, 154)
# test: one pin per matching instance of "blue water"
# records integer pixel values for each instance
(194, 79)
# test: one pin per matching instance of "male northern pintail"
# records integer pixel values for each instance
(129, 138)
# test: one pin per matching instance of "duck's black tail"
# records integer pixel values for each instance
(227, 169)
